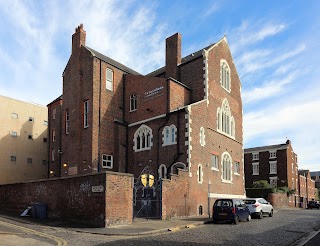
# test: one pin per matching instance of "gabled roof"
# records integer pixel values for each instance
(184, 60)
(56, 100)
(111, 61)
(265, 148)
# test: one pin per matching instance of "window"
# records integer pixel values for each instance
(255, 168)
(67, 121)
(142, 138)
(133, 102)
(237, 167)
(162, 171)
(255, 156)
(200, 174)
(54, 111)
(14, 116)
(169, 135)
(13, 158)
(214, 162)
(45, 122)
(30, 137)
(225, 75)
(273, 154)
(31, 119)
(107, 161)
(29, 160)
(44, 162)
(53, 135)
(52, 155)
(226, 167)
(13, 134)
(225, 121)
(85, 114)
(292, 183)
(109, 81)
(292, 168)
(273, 167)
(273, 182)
(45, 140)
(202, 137)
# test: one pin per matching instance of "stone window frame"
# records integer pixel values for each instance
(53, 135)
(236, 168)
(226, 167)
(225, 75)
(214, 162)
(202, 137)
(169, 135)
(86, 114)
(142, 139)
(200, 173)
(14, 116)
(225, 120)
(273, 154)
(255, 156)
(162, 170)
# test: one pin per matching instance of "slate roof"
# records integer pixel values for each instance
(184, 60)
(264, 148)
(111, 61)
(56, 100)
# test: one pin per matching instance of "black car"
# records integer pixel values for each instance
(232, 210)
(313, 204)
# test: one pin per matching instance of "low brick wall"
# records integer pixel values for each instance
(175, 196)
(279, 200)
(72, 198)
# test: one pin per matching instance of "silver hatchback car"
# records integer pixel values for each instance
(259, 207)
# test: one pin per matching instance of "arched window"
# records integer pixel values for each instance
(200, 174)
(169, 135)
(226, 167)
(225, 121)
(142, 138)
(202, 137)
(225, 75)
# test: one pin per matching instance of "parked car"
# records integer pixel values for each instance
(313, 204)
(232, 210)
(259, 207)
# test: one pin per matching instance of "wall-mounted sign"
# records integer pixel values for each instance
(153, 92)
(98, 188)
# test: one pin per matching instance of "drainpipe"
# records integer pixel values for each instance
(100, 77)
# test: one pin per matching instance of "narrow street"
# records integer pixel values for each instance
(287, 227)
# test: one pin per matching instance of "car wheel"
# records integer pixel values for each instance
(249, 217)
(260, 216)
(236, 220)
(271, 213)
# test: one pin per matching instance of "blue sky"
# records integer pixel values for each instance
(275, 46)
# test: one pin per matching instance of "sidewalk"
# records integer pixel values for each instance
(140, 226)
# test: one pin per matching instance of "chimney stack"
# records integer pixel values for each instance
(78, 38)
(173, 55)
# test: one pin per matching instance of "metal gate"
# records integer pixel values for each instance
(147, 195)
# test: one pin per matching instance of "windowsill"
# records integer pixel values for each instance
(272, 173)
(214, 169)
(107, 167)
(237, 174)
(85, 127)
(255, 174)
(167, 144)
(226, 134)
(226, 181)
(225, 88)
(140, 150)
(130, 111)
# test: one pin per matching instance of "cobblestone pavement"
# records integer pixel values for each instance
(287, 227)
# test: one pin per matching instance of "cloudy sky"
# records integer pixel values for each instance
(275, 45)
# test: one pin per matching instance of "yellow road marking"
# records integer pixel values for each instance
(60, 241)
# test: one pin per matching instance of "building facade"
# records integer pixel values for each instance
(278, 164)
(307, 190)
(23, 141)
(186, 115)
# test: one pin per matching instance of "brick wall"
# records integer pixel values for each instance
(175, 196)
(279, 200)
(71, 198)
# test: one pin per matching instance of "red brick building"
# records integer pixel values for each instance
(277, 164)
(186, 115)
(307, 189)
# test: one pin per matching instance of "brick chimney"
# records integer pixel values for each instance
(173, 55)
(78, 38)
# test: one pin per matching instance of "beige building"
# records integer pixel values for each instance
(23, 141)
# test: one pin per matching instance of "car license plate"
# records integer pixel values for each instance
(222, 213)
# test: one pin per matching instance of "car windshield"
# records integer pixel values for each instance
(223, 203)
(249, 201)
